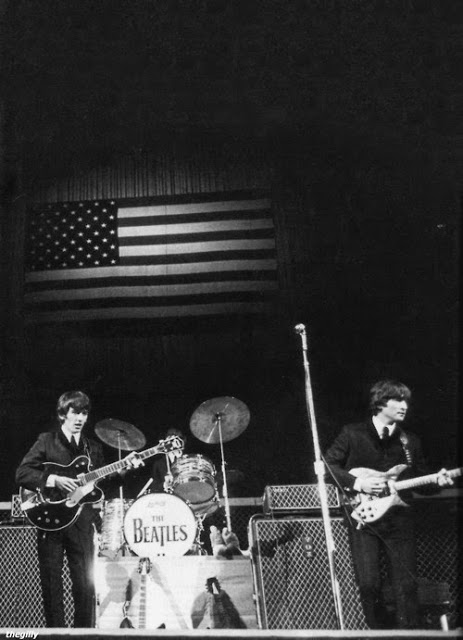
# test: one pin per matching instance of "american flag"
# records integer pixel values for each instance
(95, 260)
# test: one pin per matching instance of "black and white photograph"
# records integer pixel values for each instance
(229, 318)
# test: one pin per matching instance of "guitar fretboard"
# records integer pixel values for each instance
(142, 608)
(423, 480)
(107, 470)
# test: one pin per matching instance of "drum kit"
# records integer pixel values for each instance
(170, 523)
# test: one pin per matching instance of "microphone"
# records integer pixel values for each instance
(300, 329)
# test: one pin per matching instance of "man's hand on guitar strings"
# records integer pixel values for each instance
(373, 484)
(63, 483)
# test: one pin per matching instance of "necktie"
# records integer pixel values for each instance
(385, 433)
(74, 445)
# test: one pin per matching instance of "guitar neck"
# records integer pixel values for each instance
(142, 608)
(107, 470)
(423, 480)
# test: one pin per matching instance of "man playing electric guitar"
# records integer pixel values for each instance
(360, 460)
(62, 446)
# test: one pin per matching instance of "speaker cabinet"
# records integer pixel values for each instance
(20, 591)
(292, 576)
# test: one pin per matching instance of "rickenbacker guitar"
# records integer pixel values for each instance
(51, 510)
(369, 508)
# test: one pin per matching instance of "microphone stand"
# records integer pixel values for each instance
(320, 473)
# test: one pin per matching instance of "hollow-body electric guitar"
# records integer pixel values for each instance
(52, 510)
(369, 508)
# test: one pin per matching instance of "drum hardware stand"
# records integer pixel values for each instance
(218, 421)
(198, 544)
(123, 547)
(320, 473)
(145, 488)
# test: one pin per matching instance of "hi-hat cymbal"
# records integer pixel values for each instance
(120, 435)
(234, 418)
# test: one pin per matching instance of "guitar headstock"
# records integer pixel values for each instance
(144, 566)
(213, 585)
(170, 444)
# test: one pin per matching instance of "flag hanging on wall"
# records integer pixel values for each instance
(96, 260)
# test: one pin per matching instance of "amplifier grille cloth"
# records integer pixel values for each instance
(293, 583)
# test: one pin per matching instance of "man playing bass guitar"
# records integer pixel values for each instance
(362, 461)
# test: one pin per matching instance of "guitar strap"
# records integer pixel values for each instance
(405, 442)
(87, 453)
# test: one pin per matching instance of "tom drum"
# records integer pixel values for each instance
(194, 479)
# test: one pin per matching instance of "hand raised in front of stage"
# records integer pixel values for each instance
(225, 543)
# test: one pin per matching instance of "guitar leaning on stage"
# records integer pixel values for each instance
(51, 510)
(144, 621)
(369, 508)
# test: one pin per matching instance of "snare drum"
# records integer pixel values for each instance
(112, 527)
(159, 524)
(194, 479)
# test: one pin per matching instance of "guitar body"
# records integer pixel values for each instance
(370, 508)
(50, 510)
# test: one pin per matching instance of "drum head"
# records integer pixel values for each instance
(159, 524)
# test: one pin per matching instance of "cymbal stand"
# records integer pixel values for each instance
(320, 473)
(218, 420)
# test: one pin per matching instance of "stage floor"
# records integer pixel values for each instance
(229, 634)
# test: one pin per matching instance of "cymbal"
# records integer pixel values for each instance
(234, 418)
(120, 435)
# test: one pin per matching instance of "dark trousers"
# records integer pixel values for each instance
(77, 542)
(394, 534)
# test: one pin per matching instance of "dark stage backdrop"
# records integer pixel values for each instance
(365, 256)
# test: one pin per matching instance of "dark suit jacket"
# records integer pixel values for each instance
(53, 446)
(358, 445)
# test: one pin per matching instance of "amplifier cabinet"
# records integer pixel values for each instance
(292, 576)
(20, 591)
(297, 499)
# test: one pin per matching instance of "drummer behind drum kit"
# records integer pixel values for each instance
(170, 523)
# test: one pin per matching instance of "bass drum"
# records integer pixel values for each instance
(194, 479)
(159, 524)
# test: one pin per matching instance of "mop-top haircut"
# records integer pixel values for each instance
(77, 400)
(385, 390)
